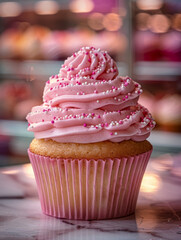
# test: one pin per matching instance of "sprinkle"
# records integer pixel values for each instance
(115, 133)
(85, 125)
(121, 122)
(111, 133)
(95, 91)
(97, 101)
(52, 122)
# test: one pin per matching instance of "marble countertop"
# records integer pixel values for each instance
(157, 217)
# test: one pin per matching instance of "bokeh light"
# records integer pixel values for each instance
(159, 23)
(142, 21)
(81, 6)
(10, 9)
(46, 7)
(95, 21)
(149, 4)
(151, 183)
(176, 24)
(112, 22)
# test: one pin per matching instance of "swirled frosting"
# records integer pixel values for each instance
(89, 102)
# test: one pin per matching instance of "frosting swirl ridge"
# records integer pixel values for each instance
(88, 102)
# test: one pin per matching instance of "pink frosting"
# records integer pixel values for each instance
(88, 102)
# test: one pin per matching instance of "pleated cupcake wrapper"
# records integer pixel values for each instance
(89, 189)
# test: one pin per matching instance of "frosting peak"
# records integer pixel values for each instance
(89, 62)
(88, 102)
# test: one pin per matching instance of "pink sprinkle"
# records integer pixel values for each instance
(93, 73)
(96, 54)
(99, 116)
(89, 60)
(126, 96)
(123, 99)
(74, 116)
(115, 70)
(51, 88)
(54, 117)
(48, 82)
(93, 114)
(113, 87)
(126, 84)
(52, 76)
(52, 122)
(95, 91)
(28, 124)
(43, 120)
(74, 55)
(121, 122)
(56, 76)
(85, 125)
(87, 53)
(102, 125)
(128, 117)
(106, 124)
(111, 133)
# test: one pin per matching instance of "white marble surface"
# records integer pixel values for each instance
(157, 217)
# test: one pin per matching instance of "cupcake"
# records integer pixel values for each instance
(90, 150)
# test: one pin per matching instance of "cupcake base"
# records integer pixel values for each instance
(88, 189)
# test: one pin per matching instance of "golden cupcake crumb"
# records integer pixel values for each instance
(98, 150)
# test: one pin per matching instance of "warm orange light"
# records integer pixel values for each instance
(27, 169)
(10, 9)
(177, 22)
(112, 22)
(142, 21)
(159, 23)
(151, 183)
(149, 4)
(46, 7)
(10, 171)
(95, 21)
(81, 6)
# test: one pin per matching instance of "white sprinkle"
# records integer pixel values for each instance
(97, 101)
(115, 133)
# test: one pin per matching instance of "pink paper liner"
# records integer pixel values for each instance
(88, 189)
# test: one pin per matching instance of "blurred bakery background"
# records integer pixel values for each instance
(143, 36)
